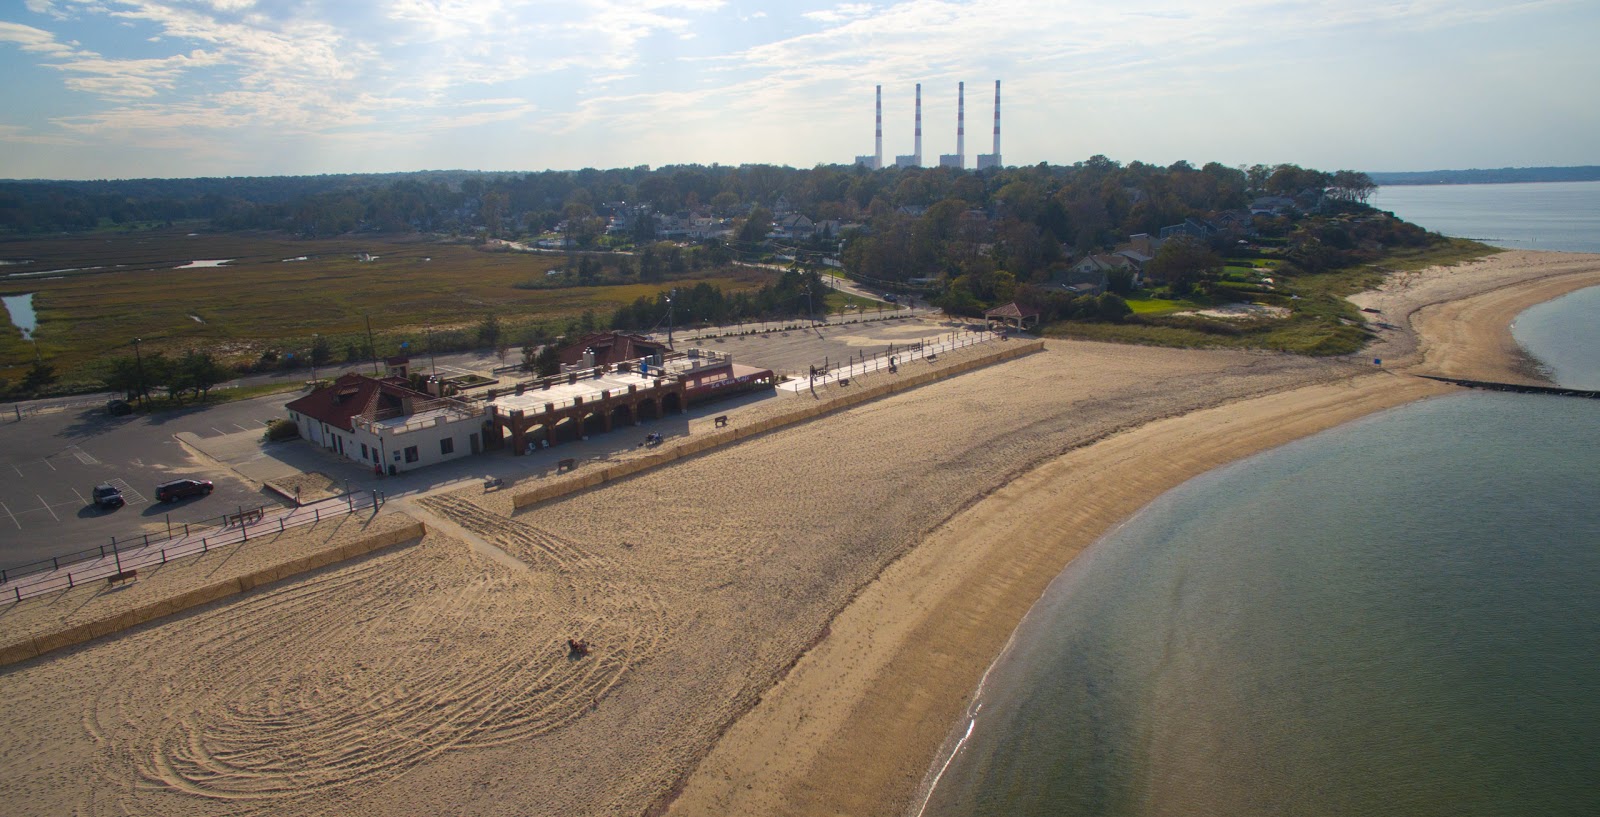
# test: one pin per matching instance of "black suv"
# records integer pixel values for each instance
(181, 488)
(106, 495)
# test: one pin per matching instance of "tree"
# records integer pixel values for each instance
(1182, 262)
(489, 331)
(39, 375)
(201, 371)
(321, 351)
(548, 361)
(1352, 185)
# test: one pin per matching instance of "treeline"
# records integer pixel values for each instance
(1503, 175)
(794, 293)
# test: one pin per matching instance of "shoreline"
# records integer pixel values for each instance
(909, 651)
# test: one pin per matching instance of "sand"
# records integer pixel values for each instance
(789, 625)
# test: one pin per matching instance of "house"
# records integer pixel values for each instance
(1192, 227)
(1271, 206)
(385, 424)
(794, 226)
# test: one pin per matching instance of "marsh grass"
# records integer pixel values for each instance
(260, 300)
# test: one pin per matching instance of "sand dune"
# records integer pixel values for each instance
(788, 625)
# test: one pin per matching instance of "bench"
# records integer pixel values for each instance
(125, 576)
(844, 381)
(246, 518)
(721, 421)
(491, 482)
(566, 465)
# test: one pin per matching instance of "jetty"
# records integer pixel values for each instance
(1521, 388)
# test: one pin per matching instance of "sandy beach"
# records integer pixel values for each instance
(788, 625)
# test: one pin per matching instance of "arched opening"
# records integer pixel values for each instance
(567, 430)
(623, 416)
(594, 422)
(671, 402)
(648, 410)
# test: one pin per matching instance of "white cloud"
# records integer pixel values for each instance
(24, 135)
(840, 13)
(34, 40)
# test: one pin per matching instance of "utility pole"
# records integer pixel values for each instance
(315, 337)
(372, 347)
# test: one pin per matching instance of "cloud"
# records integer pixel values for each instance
(840, 13)
(34, 40)
(24, 135)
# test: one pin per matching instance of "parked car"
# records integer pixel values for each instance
(118, 408)
(107, 495)
(182, 488)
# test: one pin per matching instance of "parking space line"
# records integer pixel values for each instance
(12, 515)
(15, 468)
(240, 427)
(47, 507)
(79, 496)
(49, 463)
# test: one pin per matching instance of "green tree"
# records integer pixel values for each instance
(489, 331)
(321, 351)
(201, 371)
(548, 361)
(39, 375)
(1183, 262)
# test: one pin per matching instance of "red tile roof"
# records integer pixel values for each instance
(611, 348)
(353, 395)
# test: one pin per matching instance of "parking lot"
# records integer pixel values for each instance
(52, 462)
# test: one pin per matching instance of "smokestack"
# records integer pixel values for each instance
(917, 148)
(878, 153)
(997, 119)
(961, 122)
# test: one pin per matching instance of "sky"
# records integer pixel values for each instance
(183, 88)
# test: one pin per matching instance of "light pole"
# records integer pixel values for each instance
(315, 338)
(139, 359)
(670, 293)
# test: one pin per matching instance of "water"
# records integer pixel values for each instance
(1565, 337)
(1561, 216)
(1391, 617)
(20, 308)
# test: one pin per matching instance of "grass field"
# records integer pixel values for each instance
(1321, 322)
(99, 291)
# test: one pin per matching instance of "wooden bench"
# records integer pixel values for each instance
(721, 421)
(566, 465)
(246, 518)
(491, 482)
(125, 576)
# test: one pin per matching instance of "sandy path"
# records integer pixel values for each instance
(888, 549)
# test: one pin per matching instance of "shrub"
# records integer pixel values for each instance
(280, 429)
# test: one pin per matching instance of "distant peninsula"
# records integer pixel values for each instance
(1504, 175)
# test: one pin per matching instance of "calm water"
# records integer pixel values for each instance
(20, 310)
(1392, 617)
(1555, 216)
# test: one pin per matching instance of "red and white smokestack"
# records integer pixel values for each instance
(961, 123)
(878, 153)
(917, 148)
(997, 119)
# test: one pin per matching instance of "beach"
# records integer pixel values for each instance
(788, 625)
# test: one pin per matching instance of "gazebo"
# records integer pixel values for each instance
(1011, 314)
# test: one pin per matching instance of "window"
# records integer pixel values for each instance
(447, 445)
(411, 453)
(363, 450)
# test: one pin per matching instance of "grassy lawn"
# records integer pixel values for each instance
(277, 291)
(1322, 322)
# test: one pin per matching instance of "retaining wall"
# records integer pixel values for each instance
(703, 442)
(77, 634)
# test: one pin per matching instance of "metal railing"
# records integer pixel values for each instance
(122, 559)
